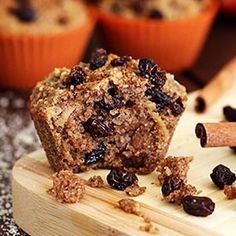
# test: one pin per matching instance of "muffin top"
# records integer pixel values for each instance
(153, 9)
(40, 16)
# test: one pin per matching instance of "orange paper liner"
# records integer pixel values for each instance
(26, 59)
(174, 44)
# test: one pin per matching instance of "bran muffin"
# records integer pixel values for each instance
(115, 112)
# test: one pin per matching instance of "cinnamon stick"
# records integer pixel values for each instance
(221, 134)
(220, 83)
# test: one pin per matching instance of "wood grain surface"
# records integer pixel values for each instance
(40, 214)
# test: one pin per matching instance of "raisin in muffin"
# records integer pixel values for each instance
(155, 9)
(115, 112)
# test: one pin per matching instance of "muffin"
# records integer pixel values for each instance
(114, 112)
(171, 32)
(153, 9)
(34, 38)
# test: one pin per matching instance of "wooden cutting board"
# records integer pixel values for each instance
(40, 214)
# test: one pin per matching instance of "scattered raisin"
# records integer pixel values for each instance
(198, 206)
(95, 155)
(98, 127)
(230, 113)
(98, 59)
(149, 69)
(155, 14)
(222, 175)
(120, 61)
(120, 180)
(76, 77)
(161, 99)
(171, 183)
(177, 107)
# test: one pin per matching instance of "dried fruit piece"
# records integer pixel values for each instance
(120, 180)
(159, 98)
(149, 69)
(96, 181)
(230, 192)
(171, 183)
(222, 175)
(230, 113)
(98, 127)
(120, 61)
(117, 101)
(138, 6)
(98, 59)
(95, 155)
(198, 206)
(76, 77)
(177, 107)
(155, 14)
(234, 149)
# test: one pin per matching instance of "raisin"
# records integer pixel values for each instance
(149, 69)
(95, 155)
(160, 99)
(76, 77)
(133, 162)
(120, 61)
(177, 107)
(120, 180)
(222, 175)
(137, 6)
(98, 127)
(98, 59)
(117, 101)
(171, 183)
(230, 113)
(198, 206)
(155, 14)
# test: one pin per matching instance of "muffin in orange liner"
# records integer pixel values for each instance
(27, 58)
(174, 44)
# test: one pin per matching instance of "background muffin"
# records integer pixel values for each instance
(36, 36)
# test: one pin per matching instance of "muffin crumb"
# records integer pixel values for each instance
(130, 206)
(96, 181)
(178, 195)
(135, 190)
(149, 228)
(67, 187)
(230, 192)
(175, 166)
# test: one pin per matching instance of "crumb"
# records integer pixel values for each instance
(135, 190)
(130, 206)
(146, 219)
(67, 187)
(178, 195)
(230, 192)
(96, 181)
(149, 228)
(176, 166)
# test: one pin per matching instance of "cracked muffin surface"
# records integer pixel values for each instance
(114, 112)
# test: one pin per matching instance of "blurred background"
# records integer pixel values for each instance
(193, 39)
